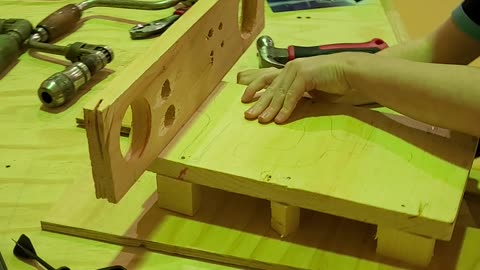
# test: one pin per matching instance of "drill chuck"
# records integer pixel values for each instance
(62, 86)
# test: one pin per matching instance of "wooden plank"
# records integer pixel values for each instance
(164, 87)
(337, 159)
(235, 229)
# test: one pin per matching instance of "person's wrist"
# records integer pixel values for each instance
(354, 64)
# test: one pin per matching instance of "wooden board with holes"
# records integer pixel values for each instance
(235, 229)
(163, 87)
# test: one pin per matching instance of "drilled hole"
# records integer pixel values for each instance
(210, 33)
(126, 138)
(169, 116)
(222, 44)
(220, 26)
(135, 129)
(166, 90)
(211, 53)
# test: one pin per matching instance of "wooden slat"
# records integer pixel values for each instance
(164, 87)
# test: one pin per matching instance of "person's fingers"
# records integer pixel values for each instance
(246, 77)
(280, 89)
(258, 84)
(262, 103)
(253, 88)
(293, 95)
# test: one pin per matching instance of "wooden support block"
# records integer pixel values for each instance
(407, 247)
(285, 218)
(178, 195)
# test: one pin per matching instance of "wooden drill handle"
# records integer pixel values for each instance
(61, 21)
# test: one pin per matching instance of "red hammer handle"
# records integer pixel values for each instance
(371, 46)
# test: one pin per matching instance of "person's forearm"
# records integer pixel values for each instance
(446, 45)
(415, 50)
(447, 96)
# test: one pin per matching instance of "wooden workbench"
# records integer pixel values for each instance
(42, 154)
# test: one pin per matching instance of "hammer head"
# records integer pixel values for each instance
(265, 52)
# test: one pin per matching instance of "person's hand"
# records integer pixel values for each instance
(285, 87)
(267, 75)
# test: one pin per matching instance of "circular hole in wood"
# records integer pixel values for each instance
(126, 133)
(220, 26)
(135, 129)
(166, 90)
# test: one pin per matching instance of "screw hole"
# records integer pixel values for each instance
(222, 44)
(210, 33)
(211, 53)
(299, 17)
(8, 166)
(308, 17)
(169, 116)
(403, 205)
(166, 90)
(183, 157)
(220, 26)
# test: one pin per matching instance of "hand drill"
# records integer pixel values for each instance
(13, 33)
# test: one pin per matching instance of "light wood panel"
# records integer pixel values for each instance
(337, 159)
(164, 86)
(236, 229)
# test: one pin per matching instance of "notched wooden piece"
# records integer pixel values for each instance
(164, 88)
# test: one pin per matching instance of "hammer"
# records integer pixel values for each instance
(269, 56)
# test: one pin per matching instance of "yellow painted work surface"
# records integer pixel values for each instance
(235, 229)
(43, 152)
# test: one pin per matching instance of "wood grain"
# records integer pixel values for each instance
(164, 87)
(235, 229)
(337, 159)
(42, 152)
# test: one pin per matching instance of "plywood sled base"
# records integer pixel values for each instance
(228, 228)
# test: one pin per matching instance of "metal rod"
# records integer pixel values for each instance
(47, 47)
(131, 4)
